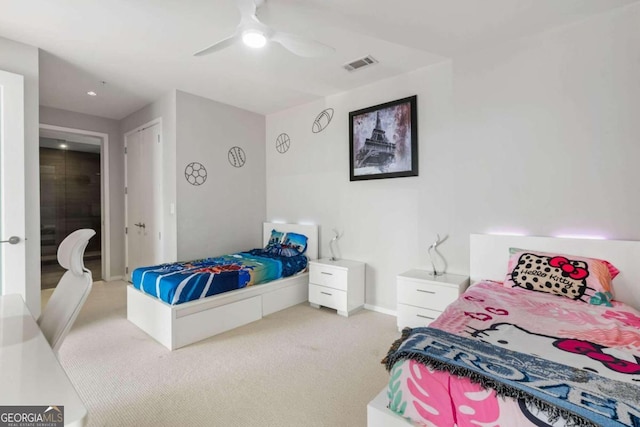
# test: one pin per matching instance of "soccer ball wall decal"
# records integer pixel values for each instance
(195, 173)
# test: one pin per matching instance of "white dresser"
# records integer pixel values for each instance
(422, 296)
(337, 284)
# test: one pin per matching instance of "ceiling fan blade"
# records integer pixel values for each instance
(218, 45)
(248, 7)
(302, 46)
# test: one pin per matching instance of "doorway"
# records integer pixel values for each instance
(12, 188)
(143, 196)
(72, 196)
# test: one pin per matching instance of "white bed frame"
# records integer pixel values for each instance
(176, 326)
(489, 255)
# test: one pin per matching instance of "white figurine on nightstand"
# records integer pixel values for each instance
(434, 247)
(332, 242)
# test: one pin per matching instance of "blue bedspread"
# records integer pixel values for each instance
(180, 282)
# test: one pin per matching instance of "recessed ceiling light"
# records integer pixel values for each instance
(63, 146)
(92, 93)
(254, 39)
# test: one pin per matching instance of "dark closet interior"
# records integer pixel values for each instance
(69, 200)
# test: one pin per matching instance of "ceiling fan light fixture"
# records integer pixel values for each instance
(254, 38)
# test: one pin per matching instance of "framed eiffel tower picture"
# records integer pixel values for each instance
(383, 140)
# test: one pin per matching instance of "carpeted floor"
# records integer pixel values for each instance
(297, 367)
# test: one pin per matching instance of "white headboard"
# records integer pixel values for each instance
(311, 231)
(489, 255)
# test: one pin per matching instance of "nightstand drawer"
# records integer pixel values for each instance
(328, 297)
(414, 317)
(426, 294)
(325, 275)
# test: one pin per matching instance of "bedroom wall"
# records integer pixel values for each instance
(535, 136)
(224, 214)
(64, 118)
(165, 108)
(22, 59)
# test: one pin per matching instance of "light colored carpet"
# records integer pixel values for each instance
(297, 367)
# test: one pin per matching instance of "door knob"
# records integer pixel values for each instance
(140, 224)
(13, 240)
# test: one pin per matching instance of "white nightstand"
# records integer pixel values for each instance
(336, 284)
(422, 297)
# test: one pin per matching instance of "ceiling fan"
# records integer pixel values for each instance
(256, 34)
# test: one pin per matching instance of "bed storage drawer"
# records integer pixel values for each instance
(223, 318)
(327, 297)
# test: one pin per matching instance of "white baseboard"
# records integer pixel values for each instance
(113, 278)
(381, 310)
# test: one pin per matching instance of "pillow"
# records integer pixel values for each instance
(281, 250)
(578, 278)
(276, 238)
(295, 241)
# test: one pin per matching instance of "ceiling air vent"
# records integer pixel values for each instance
(360, 63)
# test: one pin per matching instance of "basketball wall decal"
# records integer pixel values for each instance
(322, 121)
(237, 157)
(283, 142)
(195, 173)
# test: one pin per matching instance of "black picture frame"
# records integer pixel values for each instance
(383, 140)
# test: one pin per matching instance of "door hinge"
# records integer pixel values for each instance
(126, 189)
(126, 230)
(126, 270)
(158, 137)
(125, 150)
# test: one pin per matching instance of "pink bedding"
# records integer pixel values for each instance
(495, 314)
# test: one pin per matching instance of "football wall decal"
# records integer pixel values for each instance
(322, 121)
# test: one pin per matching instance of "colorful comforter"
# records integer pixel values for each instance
(180, 282)
(557, 361)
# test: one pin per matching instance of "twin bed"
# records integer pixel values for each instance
(509, 354)
(176, 305)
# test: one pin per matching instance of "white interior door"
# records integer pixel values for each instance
(12, 188)
(144, 197)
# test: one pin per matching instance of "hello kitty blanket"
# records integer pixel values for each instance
(562, 362)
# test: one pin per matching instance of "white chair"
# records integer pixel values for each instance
(72, 290)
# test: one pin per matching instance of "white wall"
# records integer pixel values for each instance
(164, 108)
(224, 214)
(538, 135)
(22, 59)
(70, 119)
